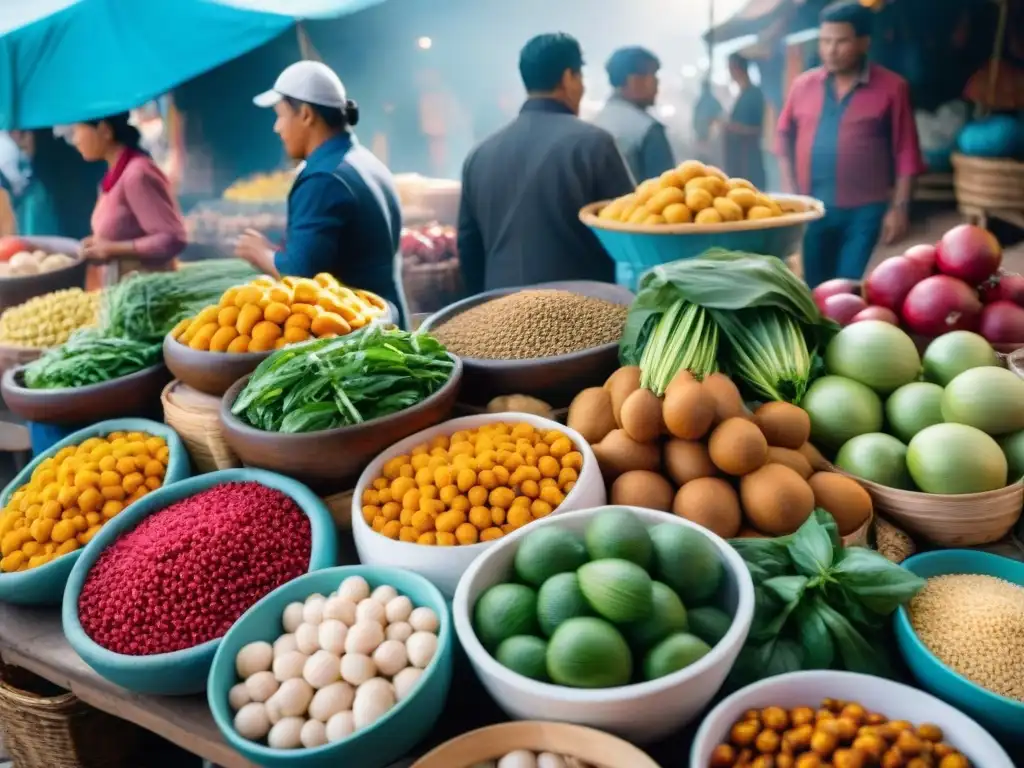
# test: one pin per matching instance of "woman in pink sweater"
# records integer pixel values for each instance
(137, 224)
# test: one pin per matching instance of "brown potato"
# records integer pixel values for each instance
(673, 177)
(818, 462)
(728, 209)
(691, 169)
(619, 453)
(621, 385)
(792, 459)
(687, 460)
(677, 213)
(776, 499)
(682, 376)
(712, 503)
(716, 173)
(641, 416)
(641, 488)
(728, 401)
(784, 424)
(708, 216)
(843, 498)
(709, 184)
(737, 447)
(590, 414)
(629, 209)
(638, 216)
(688, 411)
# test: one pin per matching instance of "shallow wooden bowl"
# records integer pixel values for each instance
(331, 460)
(137, 394)
(556, 380)
(492, 743)
(15, 290)
(209, 372)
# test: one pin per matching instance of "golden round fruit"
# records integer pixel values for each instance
(646, 191)
(639, 215)
(672, 178)
(745, 198)
(654, 218)
(691, 169)
(664, 198)
(615, 208)
(708, 216)
(677, 213)
(629, 210)
(716, 173)
(728, 209)
(697, 199)
(738, 183)
(760, 212)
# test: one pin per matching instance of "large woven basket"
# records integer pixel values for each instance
(988, 183)
(45, 728)
(194, 416)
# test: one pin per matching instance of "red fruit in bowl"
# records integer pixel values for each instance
(891, 281)
(970, 253)
(842, 307)
(940, 304)
(1002, 322)
(1006, 287)
(923, 254)
(884, 314)
(833, 288)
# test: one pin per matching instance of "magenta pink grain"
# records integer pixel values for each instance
(186, 573)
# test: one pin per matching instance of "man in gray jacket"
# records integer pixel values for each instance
(523, 187)
(633, 73)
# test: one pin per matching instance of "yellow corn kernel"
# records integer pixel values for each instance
(93, 518)
(490, 534)
(111, 509)
(408, 534)
(90, 500)
(41, 530)
(519, 516)
(449, 521)
(293, 335)
(13, 561)
(466, 534)
(31, 548)
(63, 531)
(38, 560)
(68, 546)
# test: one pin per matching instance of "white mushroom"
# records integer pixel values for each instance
(292, 617)
(357, 668)
(405, 681)
(521, 758)
(329, 701)
(251, 721)
(424, 619)
(261, 686)
(340, 726)
(390, 658)
(289, 666)
(332, 636)
(307, 638)
(322, 669)
(293, 697)
(398, 609)
(238, 696)
(253, 658)
(373, 699)
(285, 644)
(313, 734)
(340, 609)
(364, 637)
(313, 610)
(354, 588)
(370, 610)
(286, 734)
(400, 630)
(384, 594)
(421, 648)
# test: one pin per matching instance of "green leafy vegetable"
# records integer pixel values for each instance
(89, 357)
(338, 382)
(811, 551)
(767, 350)
(686, 338)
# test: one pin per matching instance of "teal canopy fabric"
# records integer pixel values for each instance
(63, 61)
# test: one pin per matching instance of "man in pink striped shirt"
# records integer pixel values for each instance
(847, 136)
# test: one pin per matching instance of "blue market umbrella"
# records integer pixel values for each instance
(62, 61)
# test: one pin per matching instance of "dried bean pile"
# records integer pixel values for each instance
(530, 324)
(186, 573)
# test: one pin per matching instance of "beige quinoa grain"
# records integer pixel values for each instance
(975, 624)
(532, 323)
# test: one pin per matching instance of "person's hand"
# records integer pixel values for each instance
(895, 224)
(253, 246)
(97, 249)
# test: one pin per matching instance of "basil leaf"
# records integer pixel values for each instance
(769, 555)
(881, 585)
(826, 521)
(758, 661)
(788, 589)
(787, 656)
(811, 549)
(766, 610)
(819, 649)
(858, 654)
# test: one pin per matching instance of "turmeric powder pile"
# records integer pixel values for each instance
(267, 314)
(74, 492)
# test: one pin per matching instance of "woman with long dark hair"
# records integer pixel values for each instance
(137, 224)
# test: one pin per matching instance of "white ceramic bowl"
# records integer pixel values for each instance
(443, 566)
(897, 701)
(642, 712)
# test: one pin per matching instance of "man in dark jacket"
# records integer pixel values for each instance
(523, 187)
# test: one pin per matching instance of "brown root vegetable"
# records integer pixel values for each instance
(818, 462)
(784, 425)
(792, 459)
(640, 488)
(712, 503)
(688, 411)
(641, 416)
(687, 460)
(682, 377)
(619, 453)
(621, 385)
(728, 401)
(776, 499)
(738, 447)
(843, 498)
(590, 414)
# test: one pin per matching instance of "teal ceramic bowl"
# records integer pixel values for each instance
(636, 248)
(379, 745)
(45, 585)
(1003, 716)
(180, 672)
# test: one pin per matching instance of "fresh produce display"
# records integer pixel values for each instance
(955, 285)
(974, 624)
(73, 493)
(26, 262)
(10, 245)
(719, 465)
(692, 193)
(337, 382)
(193, 568)
(819, 605)
(473, 485)
(839, 733)
(89, 357)
(50, 319)
(605, 610)
(524, 758)
(746, 314)
(342, 662)
(219, 223)
(532, 323)
(261, 187)
(430, 244)
(941, 432)
(269, 314)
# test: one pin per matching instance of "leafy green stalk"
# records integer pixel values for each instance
(89, 357)
(686, 338)
(766, 349)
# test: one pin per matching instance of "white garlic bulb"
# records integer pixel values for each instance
(322, 669)
(286, 734)
(313, 610)
(520, 758)
(364, 637)
(340, 609)
(253, 658)
(238, 696)
(354, 588)
(384, 594)
(398, 609)
(313, 734)
(307, 638)
(390, 658)
(329, 701)
(285, 644)
(372, 701)
(332, 636)
(357, 668)
(251, 721)
(293, 697)
(424, 619)
(405, 681)
(370, 610)
(292, 617)
(421, 647)
(341, 726)
(261, 686)
(289, 666)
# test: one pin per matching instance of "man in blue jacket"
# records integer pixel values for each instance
(343, 211)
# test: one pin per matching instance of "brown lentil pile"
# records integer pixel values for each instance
(840, 734)
(529, 324)
(974, 624)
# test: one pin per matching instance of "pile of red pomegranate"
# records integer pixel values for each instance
(432, 244)
(957, 284)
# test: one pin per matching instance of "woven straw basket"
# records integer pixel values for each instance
(988, 183)
(862, 536)
(59, 731)
(194, 416)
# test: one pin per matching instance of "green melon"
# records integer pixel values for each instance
(526, 655)
(1013, 448)
(913, 407)
(687, 561)
(956, 458)
(840, 409)
(560, 599)
(877, 457)
(618, 533)
(668, 616)
(503, 611)
(708, 623)
(877, 354)
(618, 590)
(989, 399)
(589, 653)
(950, 354)
(674, 653)
(546, 551)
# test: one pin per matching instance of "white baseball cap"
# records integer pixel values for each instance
(310, 81)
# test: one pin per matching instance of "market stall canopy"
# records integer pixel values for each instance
(755, 16)
(62, 61)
